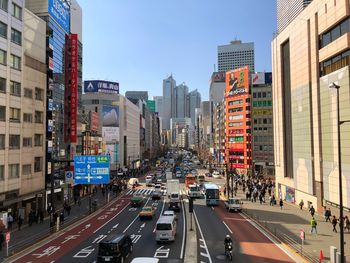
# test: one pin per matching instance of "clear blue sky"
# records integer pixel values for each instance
(140, 42)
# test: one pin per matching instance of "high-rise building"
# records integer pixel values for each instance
(141, 95)
(236, 55)
(287, 10)
(194, 101)
(310, 59)
(168, 110)
(159, 103)
(217, 87)
(181, 106)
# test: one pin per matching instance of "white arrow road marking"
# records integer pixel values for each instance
(99, 239)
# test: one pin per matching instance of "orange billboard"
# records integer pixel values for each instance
(237, 81)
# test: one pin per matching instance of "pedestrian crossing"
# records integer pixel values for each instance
(144, 191)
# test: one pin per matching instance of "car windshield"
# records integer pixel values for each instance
(164, 226)
(193, 188)
(234, 201)
(107, 249)
(147, 209)
(174, 196)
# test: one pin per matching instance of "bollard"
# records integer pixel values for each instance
(338, 258)
(332, 254)
(58, 224)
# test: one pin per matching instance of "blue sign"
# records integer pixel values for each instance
(69, 174)
(91, 169)
(91, 86)
(50, 105)
(60, 12)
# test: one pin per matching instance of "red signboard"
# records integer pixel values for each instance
(50, 63)
(71, 88)
(8, 236)
(94, 121)
(238, 165)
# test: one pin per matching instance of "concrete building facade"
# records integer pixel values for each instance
(310, 54)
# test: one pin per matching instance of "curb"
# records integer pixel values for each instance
(59, 233)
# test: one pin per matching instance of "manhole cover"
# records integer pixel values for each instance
(221, 257)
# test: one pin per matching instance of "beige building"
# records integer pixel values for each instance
(22, 103)
(312, 52)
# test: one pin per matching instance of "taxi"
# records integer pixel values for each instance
(147, 212)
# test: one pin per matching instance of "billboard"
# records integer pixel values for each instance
(110, 123)
(112, 152)
(91, 86)
(258, 78)
(60, 12)
(94, 121)
(237, 81)
(218, 77)
(151, 104)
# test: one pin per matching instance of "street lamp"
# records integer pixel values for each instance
(334, 85)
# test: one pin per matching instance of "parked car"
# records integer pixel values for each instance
(147, 212)
(114, 248)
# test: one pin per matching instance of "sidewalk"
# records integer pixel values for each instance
(29, 235)
(287, 223)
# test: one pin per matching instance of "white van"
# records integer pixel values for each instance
(166, 228)
(149, 180)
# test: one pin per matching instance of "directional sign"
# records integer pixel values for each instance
(91, 169)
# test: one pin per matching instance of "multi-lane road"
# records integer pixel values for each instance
(80, 242)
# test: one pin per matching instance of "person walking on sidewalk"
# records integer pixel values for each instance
(41, 216)
(301, 204)
(20, 222)
(328, 214)
(312, 210)
(281, 203)
(2, 239)
(9, 222)
(346, 223)
(334, 224)
(313, 225)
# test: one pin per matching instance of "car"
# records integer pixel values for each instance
(208, 174)
(114, 248)
(216, 175)
(170, 213)
(233, 204)
(145, 260)
(174, 206)
(149, 180)
(178, 174)
(137, 200)
(156, 195)
(147, 212)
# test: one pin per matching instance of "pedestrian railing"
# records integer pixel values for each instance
(282, 237)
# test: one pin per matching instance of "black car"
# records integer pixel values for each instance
(174, 206)
(114, 248)
(156, 195)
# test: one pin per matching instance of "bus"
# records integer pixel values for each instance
(211, 194)
(190, 179)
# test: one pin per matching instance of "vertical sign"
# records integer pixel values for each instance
(71, 88)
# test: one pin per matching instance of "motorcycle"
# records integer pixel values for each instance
(228, 251)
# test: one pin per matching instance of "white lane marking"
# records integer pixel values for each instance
(227, 227)
(161, 213)
(134, 219)
(212, 208)
(184, 231)
(202, 237)
(269, 237)
(111, 219)
(129, 192)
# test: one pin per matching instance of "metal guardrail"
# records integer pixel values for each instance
(282, 237)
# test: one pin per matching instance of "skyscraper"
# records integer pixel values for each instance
(159, 103)
(168, 109)
(181, 93)
(287, 10)
(236, 55)
(194, 99)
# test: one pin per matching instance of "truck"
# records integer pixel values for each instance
(233, 204)
(173, 186)
(169, 175)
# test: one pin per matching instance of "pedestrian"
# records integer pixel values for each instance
(62, 217)
(312, 211)
(334, 224)
(79, 201)
(313, 225)
(41, 216)
(68, 209)
(346, 223)
(301, 204)
(55, 216)
(9, 222)
(30, 217)
(20, 221)
(328, 214)
(281, 203)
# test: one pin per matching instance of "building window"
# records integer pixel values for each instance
(2, 141)
(15, 115)
(28, 93)
(3, 57)
(268, 94)
(15, 62)
(27, 117)
(38, 140)
(16, 11)
(264, 94)
(334, 33)
(16, 36)
(39, 94)
(2, 172)
(13, 171)
(2, 85)
(26, 169)
(254, 95)
(335, 63)
(27, 142)
(38, 164)
(3, 30)
(2, 113)
(15, 88)
(39, 117)
(259, 94)
(14, 142)
(4, 5)
(95, 102)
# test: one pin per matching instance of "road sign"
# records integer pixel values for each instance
(91, 169)
(8, 236)
(69, 174)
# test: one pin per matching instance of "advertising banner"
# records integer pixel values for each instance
(258, 78)
(237, 82)
(94, 121)
(110, 134)
(110, 116)
(218, 77)
(60, 12)
(112, 151)
(91, 86)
